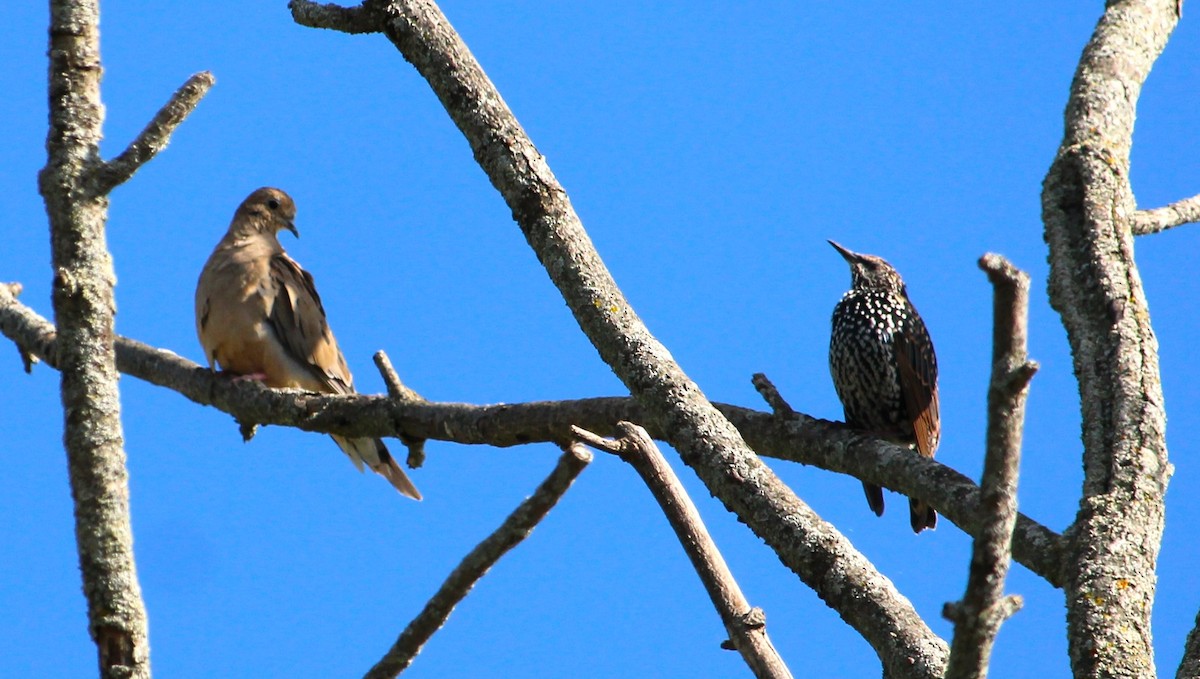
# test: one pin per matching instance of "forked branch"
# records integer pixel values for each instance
(977, 618)
(746, 626)
(801, 439)
(705, 439)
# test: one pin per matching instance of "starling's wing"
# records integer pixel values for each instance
(298, 320)
(918, 382)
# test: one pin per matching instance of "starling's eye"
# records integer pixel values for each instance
(273, 204)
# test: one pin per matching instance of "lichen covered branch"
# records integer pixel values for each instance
(84, 306)
(1186, 211)
(803, 439)
(984, 607)
(154, 137)
(1088, 209)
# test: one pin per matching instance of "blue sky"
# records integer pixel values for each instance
(710, 150)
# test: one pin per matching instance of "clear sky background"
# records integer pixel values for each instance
(710, 150)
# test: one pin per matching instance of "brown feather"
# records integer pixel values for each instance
(921, 402)
(298, 319)
(258, 312)
(920, 396)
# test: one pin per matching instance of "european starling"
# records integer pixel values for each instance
(884, 368)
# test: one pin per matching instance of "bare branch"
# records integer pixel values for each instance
(84, 308)
(397, 390)
(334, 17)
(1189, 666)
(1186, 211)
(27, 358)
(157, 133)
(616, 447)
(1088, 208)
(515, 528)
(977, 618)
(746, 626)
(803, 440)
(771, 395)
(706, 441)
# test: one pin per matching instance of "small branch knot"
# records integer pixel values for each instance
(247, 430)
(755, 618)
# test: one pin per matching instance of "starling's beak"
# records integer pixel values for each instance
(848, 255)
(291, 226)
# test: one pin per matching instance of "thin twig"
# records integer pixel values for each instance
(977, 618)
(397, 390)
(771, 395)
(1186, 211)
(334, 17)
(157, 133)
(27, 358)
(803, 440)
(515, 528)
(746, 626)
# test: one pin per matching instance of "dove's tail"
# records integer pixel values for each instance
(376, 456)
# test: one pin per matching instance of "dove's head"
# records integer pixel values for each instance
(267, 211)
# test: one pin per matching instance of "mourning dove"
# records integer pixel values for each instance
(258, 315)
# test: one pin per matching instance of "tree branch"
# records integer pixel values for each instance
(77, 207)
(397, 390)
(1189, 666)
(746, 626)
(515, 528)
(28, 359)
(1088, 209)
(335, 17)
(1186, 211)
(977, 618)
(803, 439)
(766, 389)
(157, 133)
(706, 441)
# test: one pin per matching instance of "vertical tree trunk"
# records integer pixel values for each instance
(1088, 208)
(84, 308)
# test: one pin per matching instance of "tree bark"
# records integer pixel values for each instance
(1088, 210)
(977, 618)
(84, 308)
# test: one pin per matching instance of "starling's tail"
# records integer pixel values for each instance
(921, 515)
(377, 457)
(874, 498)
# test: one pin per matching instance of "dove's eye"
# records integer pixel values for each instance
(273, 204)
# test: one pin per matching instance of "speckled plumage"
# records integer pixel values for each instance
(884, 367)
